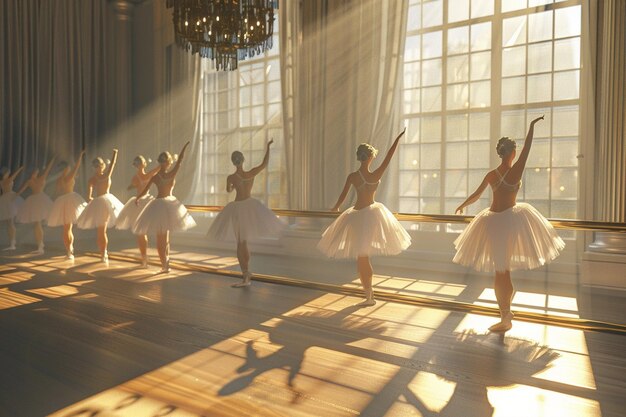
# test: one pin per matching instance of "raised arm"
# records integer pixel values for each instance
(145, 189)
(80, 158)
(181, 155)
(90, 190)
(383, 166)
(266, 160)
(112, 164)
(475, 195)
(16, 173)
(48, 168)
(523, 157)
(343, 195)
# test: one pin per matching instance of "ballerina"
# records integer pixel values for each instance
(165, 213)
(10, 202)
(102, 211)
(36, 207)
(506, 236)
(68, 206)
(245, 218)
(130, 212)
(368, 228)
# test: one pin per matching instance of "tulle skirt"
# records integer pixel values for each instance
(517, 238)
(244, 220)
(66, 209)
(36, 208)
(161, 215)
(370, 231)
(10, 203)
(100, 211)
(131, 211)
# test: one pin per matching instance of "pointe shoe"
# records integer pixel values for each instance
(165, 268)
(504, 325)
(105, 257)
(144, 263)
(69, 256)
(247, 276)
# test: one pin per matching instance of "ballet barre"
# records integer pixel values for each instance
(588, 225)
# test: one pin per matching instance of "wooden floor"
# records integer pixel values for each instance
(80, 339)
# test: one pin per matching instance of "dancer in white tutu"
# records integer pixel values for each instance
(102, 211)
(133, 207)
(507, 236)
(165, 213)
(68, 206)
(368, 228)
(10, 202)
(245, 218)
(36, 207)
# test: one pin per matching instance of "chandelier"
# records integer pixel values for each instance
(224, 31)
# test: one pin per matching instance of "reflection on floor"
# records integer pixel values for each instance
(85, 339)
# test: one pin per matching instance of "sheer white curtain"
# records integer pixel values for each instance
(341, 64)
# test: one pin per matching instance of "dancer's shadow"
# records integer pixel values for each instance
(477, 361)
(296, 334)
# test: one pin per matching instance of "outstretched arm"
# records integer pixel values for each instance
(381, 169)
(181, 155)
(523, 157)
(266, 160)
(80, 158)
(475, 196)
(343, 195)
(16, 173)
(48, 168)
(112, 164)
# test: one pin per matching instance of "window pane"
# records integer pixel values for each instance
(431, 45)
(564, 152)
(456, 184)
(565, 121)
(431, 129)
(563, 209)
(414, 20)
(481, 36)
(431, 72)
(481, 66)
(536, 183)
(409, 205)
(540, 57)
(481, 8)
(567, 54)
(456, 128)
(412, 48)
(539, 88)
(564, 183)
(409, 184)
(480, 94)
(566, 85)
(513, 90)
(412, 130)
(458, 69)
(479, 154)
(430, 184)
(411, 101)
(410, 157)
(458, 97)
(432, 13)
(567, 22)
(514, 31)
(514, 61)
(430, 156)
(458, 40)
(431, 99)
(456, 155)
(509, 5)
(539, 156)
(412, 75)
(479, 126)
(458, 10)
(542, 129)
(540, 26)
(513, 124)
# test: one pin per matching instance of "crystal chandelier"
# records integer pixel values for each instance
(224, 30)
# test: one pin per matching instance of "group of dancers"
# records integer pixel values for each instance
(505, 237)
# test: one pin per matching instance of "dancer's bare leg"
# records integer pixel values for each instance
(11, 233)
(103, 242)
(142, 242)
(163, 247)
(68, 240)
(39, 237)
(503, 287)
(243, 255)
(365, 274)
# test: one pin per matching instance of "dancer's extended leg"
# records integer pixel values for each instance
(503, 287)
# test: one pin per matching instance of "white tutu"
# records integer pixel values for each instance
(244, 220)
(370, 231)
(131, 211)
(35, 208)
(100, 210)
(516, 238)
(161, 215)
(66, 209)
(10, 203)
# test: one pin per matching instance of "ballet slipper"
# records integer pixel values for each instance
(247, 276)
(105, 257)
(505, 323)
(368, 302)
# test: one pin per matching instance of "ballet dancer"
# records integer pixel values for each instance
(130, 212)
(36, 207)
(10, 202)
(102, 211)
(368, 228)
(244, 218)
(506, 236)
(165, 213)
(68, 206)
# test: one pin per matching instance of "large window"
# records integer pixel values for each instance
(476, 70)
(241, 110)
